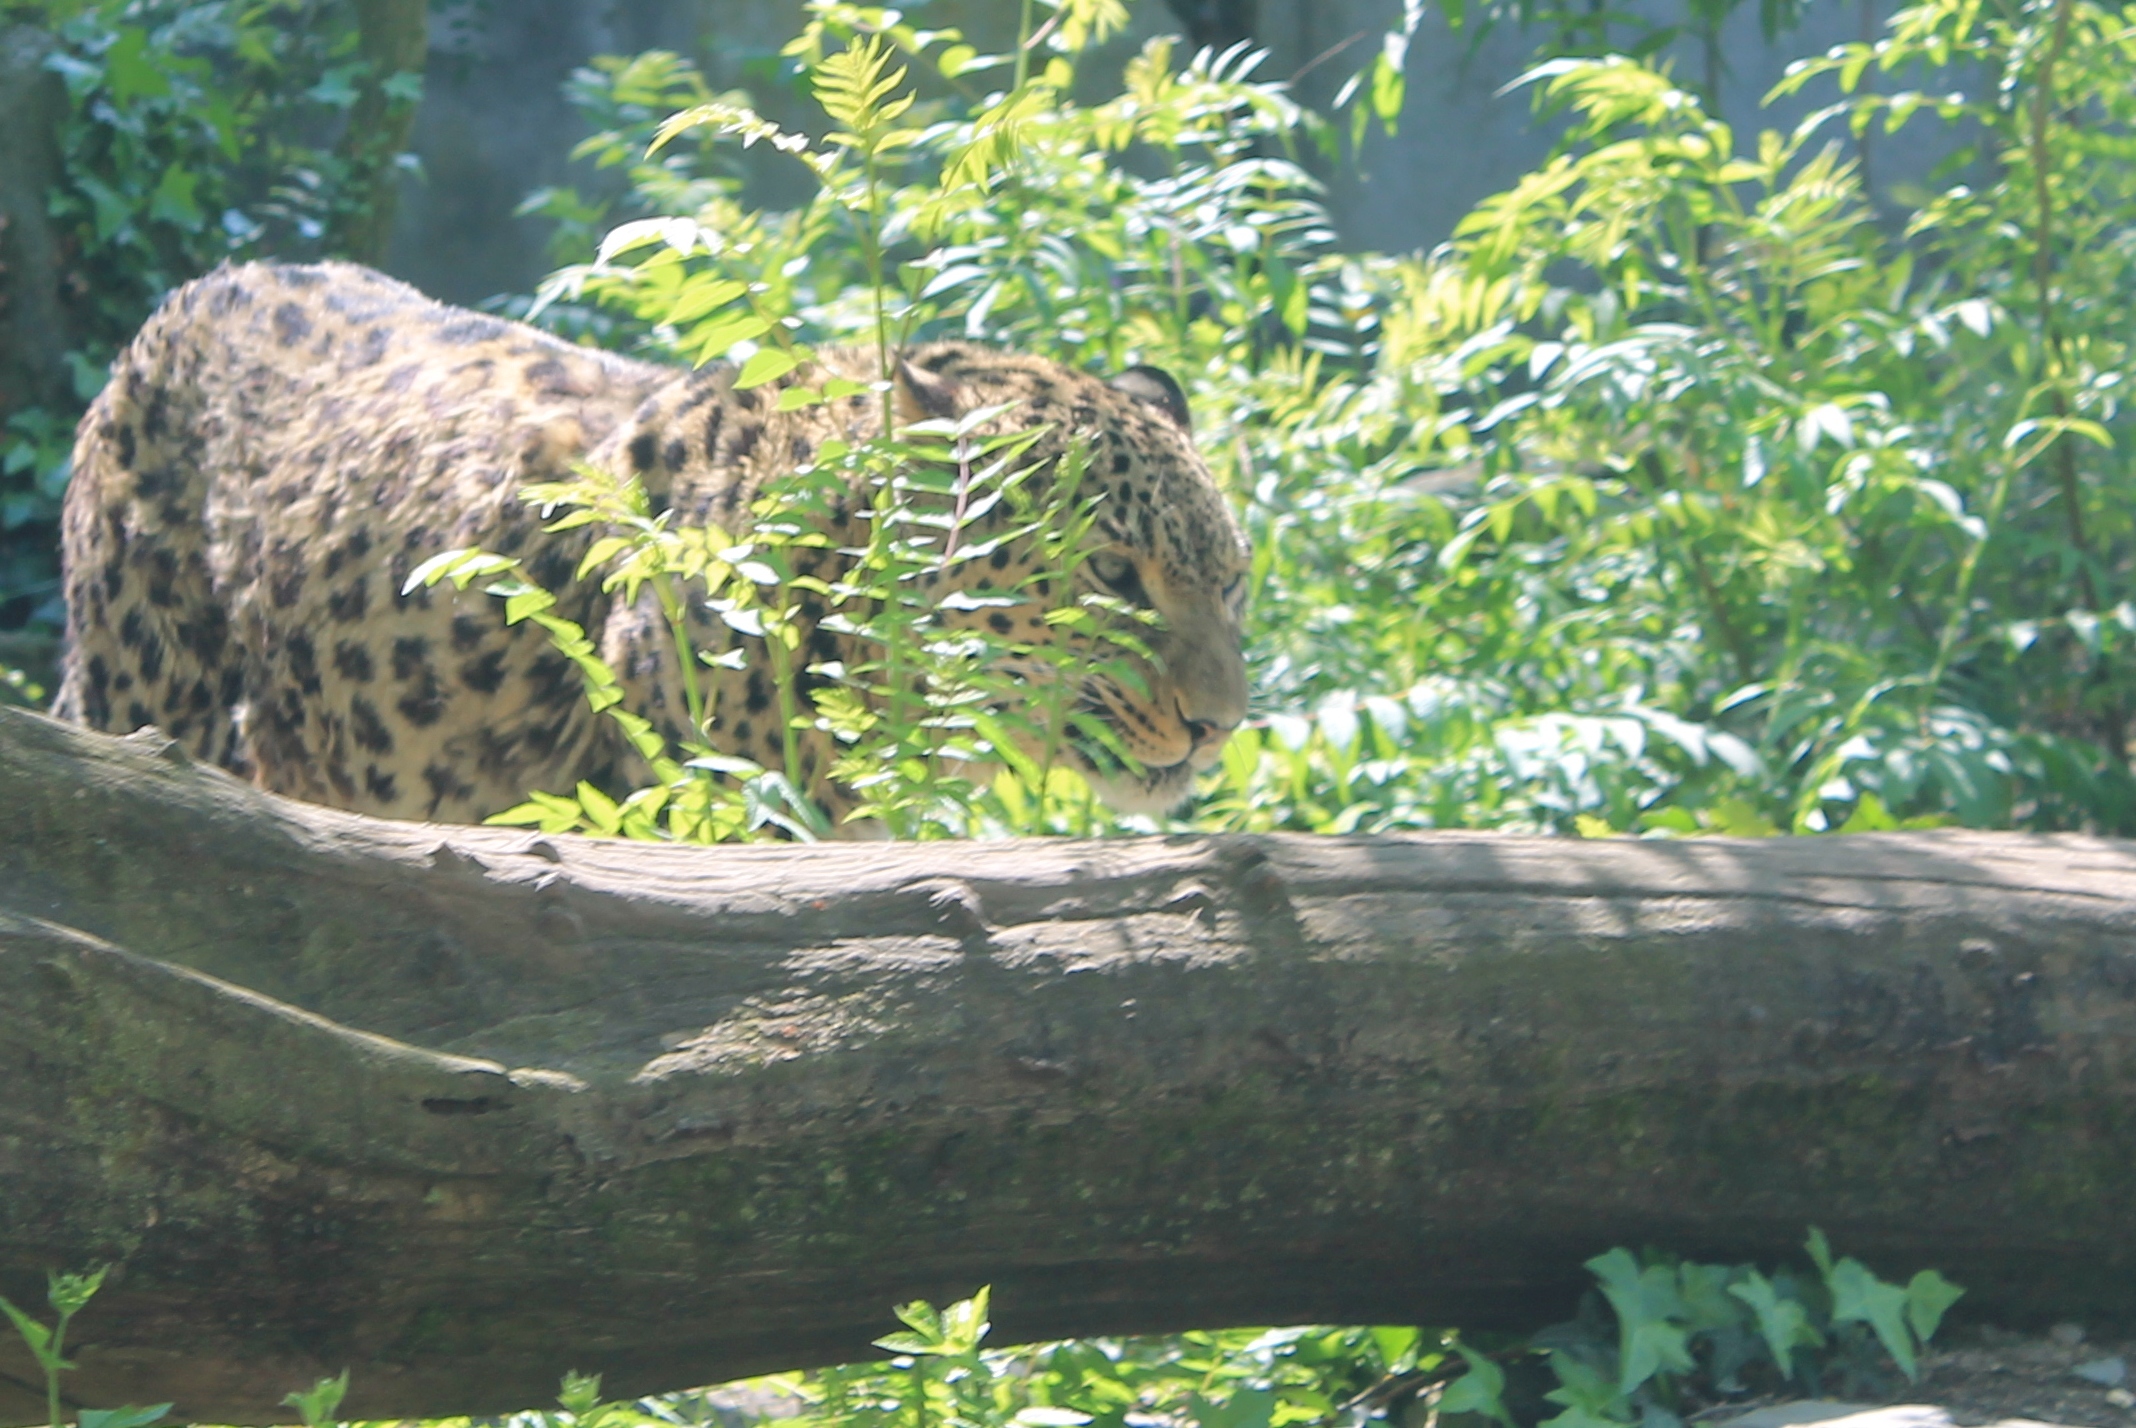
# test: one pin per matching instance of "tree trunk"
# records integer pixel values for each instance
(461, 1108)
(33, 334)
(392, 38)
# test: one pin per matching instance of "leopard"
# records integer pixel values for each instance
(282, 446)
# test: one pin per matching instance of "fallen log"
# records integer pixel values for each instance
(461, 1108)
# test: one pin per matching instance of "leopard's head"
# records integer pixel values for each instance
(1164, 541)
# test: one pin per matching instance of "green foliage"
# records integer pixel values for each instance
(1007, 216)
(196, 131)
(1721, 505)
(68, 1295)
(318, 1404)
(944, 708)
(952, 728)
(1686, 1335)
(940, 1372)
(1678, 494)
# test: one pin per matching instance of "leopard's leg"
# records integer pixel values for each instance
(148, 637)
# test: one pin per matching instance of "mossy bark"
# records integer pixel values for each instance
(34, 333)
(462, 1108)
(392, 40)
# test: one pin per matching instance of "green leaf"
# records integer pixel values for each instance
(1480, 1390)
(964, 1323)
(769, 364)
(127, 1417)
(318, 1404)
(701, 295)
(36, 1335)
(712, 342)
(601, 810)
(1707, 1303)
(1290, 292)
(336, 88)
(69, 1294)
(544, 810)
(172, 202)
(579, 1393)
(1247, 1408)
(522, 600)
(460, 566)
(1820, 1251)
(1928, 1295)
(1860, 1297)
(599, 554)
(130, 71)
(1397, 1344)
(1589, 1395)
(1783, 1323)
(1647, 1305)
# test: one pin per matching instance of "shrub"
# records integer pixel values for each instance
(1682, 491)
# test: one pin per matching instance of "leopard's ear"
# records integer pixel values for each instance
(1159, 388)
(922, 395)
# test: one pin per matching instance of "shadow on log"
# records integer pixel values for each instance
(461, 1108)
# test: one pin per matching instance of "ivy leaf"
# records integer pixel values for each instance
(337, 87)
(172, 202)
(130, 71)
(1928, 1295)
(1589, 1397)
(1860, 1297)
(1480, 1390)
(1646, 1302)
(1784, 1323)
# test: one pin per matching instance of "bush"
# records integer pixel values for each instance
(196, 131)
(1682, 491)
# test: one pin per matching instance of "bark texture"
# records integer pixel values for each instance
(461, 1108)
(34, 334)
(392, 39)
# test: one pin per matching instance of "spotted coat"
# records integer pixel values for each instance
(281, 446)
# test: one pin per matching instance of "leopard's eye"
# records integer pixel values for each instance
(1235, 593)
(1119, 575)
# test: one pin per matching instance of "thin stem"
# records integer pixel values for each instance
(1716, 606)
(1023, 45)
(2063, 450)
(1960, 598)
(872, 247)
(57, 1349)
(782, 683)
(678, 630)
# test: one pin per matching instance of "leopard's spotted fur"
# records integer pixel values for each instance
(282, 445)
